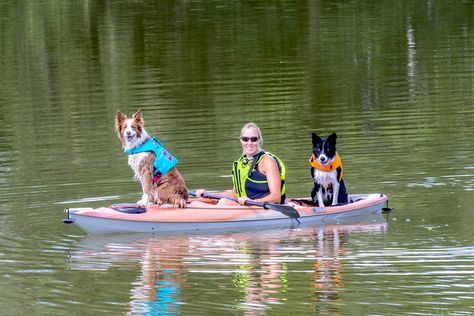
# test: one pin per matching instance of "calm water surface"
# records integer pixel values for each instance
(394, 79)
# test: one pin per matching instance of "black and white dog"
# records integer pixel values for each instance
(326, 171)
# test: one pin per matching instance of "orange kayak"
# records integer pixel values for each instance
(207, 215)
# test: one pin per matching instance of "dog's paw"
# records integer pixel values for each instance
(144, 201)
(168, 206)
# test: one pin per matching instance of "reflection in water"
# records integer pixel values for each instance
(328, 269)
(257, 266)
(411, 53)
(260, 278)
(158, 288)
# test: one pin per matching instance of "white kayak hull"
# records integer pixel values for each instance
(164, 220)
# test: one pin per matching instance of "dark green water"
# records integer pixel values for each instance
(394, 79)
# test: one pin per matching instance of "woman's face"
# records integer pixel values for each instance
(250, 142)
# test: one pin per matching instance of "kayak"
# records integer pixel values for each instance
(204, 214)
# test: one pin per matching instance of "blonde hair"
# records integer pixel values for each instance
(256, 129)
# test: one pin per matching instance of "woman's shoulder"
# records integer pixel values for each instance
(268, 160)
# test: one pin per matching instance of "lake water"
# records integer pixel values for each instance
(393, 79)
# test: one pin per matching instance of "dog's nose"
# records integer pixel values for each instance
(128, 133)
(323, 159)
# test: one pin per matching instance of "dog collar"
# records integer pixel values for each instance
(337, 163)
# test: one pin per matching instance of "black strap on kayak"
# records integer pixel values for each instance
(128, 208)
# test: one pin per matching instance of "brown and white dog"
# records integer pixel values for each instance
(167, 188)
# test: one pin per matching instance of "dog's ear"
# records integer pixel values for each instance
(316, 139)
(138, 117)
(332, 138)
(119, 119)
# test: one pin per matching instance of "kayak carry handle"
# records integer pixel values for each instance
(67, 220)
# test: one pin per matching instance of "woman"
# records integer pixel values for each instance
(256, 175)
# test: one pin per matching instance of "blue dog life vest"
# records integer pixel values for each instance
(164, 160)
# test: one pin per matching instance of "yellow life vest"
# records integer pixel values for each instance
(248, 181)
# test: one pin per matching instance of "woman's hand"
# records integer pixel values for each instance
(241, 200)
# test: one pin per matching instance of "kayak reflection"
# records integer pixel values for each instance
(252, 269)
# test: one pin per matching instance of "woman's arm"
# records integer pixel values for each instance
(269, 167)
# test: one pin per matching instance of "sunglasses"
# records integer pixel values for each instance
(246, 139)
